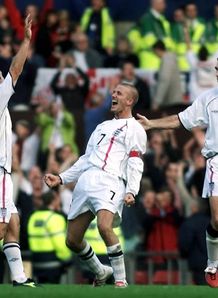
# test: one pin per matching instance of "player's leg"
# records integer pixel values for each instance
(75, 241)
(11, 246)
(9, 228)
(105, 226)
(212, 237)
(11, 249)
(3, 229)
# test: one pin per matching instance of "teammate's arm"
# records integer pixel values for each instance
(20, 58)
(168, 122)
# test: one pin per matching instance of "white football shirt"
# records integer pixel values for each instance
(204, 112)
(6, 91)
(116, 147)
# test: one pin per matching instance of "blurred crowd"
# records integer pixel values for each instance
(170, 214)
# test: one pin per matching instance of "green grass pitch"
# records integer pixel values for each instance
(87, 291)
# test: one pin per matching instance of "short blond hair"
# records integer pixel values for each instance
(134, 92)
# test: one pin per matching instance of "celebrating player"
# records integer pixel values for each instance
(108, 175)
(9, 219)
(203, 112)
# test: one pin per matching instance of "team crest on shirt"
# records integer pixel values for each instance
(3, 212)
(118, 130)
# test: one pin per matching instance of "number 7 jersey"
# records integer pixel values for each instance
(116, 146)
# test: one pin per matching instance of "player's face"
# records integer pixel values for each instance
(120, 100)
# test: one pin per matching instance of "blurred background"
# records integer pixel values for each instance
(80, 51)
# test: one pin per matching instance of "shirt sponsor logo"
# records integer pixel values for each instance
(214, 111)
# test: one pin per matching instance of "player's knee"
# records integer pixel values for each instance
(1, 235)
(104, 230)
(72, 244)
(215, 223)
(2, 232)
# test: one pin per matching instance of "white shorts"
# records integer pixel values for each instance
(210, 188)
(97, 190)
(7, 206)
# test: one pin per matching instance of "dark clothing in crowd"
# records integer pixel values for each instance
(95, 35)
(73, 98)
(144, 101)
(25, 208)
(192, 245)
(117, 60)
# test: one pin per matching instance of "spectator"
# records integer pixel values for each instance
(171, 182)
(123, 53)
(192, 243)
(128, 75)
(168, 89)
(197, 179)
(164, 233)
(177, 29)
(6, 52)
(196, 28)
(17, 22)
(64, 25)
(73, 94)
(85, 57)
(6, 32)
(211, 40)
(47, 240)
(96, 112)
(27, 145)
(29, 193)
(155, 160)
(46, 37)
(201, 68)
(151, 27)
(57, 127)
(144, 208)
(98, 25)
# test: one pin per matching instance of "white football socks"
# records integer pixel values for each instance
(13, 255)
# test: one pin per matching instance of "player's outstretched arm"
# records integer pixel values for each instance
(20, 58)
(52, 180)
(168, 122)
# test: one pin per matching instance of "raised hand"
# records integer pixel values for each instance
(144, 122)
(27, 29)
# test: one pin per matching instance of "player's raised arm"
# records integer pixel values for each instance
(20, 58)
(168, 122)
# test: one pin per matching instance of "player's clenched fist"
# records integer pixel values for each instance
(129, 200)
(52, 180)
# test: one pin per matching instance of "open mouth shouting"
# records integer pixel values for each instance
(114, 102)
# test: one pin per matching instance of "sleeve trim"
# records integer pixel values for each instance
(182, 123)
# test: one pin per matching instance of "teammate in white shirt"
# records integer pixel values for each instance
(9, 219)
(203, 112)
(108, 175)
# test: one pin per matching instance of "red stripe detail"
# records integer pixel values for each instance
(3, 194)
(109, 148)
(108, 151)
(134, 153)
